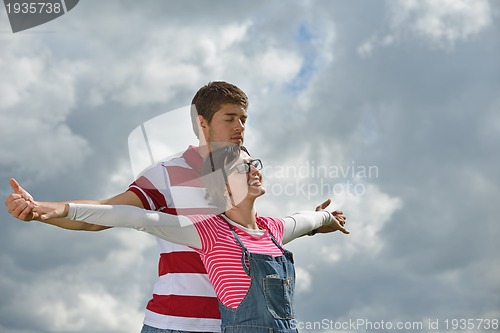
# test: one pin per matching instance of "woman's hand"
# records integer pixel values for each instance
(52, 210)
(335, 226)
(338, 223)
(339, 216)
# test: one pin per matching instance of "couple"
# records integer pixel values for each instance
(254, 278)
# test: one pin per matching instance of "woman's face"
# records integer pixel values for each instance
(245, 179)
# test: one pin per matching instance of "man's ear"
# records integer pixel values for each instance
(202, 129)
(202, 122)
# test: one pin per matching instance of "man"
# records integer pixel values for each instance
(183, 299)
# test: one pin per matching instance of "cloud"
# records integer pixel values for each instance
(441, 23)
(424, 233)
(78, 284)
(94, 89)
(36, 101)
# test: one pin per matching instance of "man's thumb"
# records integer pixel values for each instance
(19, 190)
(15, 186)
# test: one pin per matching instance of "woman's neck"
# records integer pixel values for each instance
(243, 214)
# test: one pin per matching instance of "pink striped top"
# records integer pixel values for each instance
(221, 253)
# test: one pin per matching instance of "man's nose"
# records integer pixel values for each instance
(240, 125)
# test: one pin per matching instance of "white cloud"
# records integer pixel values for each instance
(95, 292)
(367, 47)
(444, 21)
(368, 215)
(173, 59)
(279, 66)
(161, 66)
(301, 182)
(441, 23)
(304, 279)
(36, 100)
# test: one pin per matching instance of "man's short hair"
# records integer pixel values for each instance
(209, 99)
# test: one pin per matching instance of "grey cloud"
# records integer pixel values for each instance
(424, 112)
(424, 116)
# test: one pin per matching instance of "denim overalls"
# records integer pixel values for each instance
(268, 304)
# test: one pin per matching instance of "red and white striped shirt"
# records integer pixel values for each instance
(221, 253)
(183, 298)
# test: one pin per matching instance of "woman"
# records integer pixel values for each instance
(252, 274)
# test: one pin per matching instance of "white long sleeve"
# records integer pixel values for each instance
(300, 223)
(174, 228)
(177, 228)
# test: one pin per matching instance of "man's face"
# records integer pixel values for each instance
(227, 125)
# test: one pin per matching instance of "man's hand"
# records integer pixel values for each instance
(338, 224)
(20, 204)
(53, 211)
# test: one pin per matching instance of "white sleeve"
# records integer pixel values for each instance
(301, 223)
(174, 228)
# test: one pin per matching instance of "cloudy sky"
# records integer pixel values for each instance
(392, 108)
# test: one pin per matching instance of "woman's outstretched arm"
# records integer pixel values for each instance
(173, 228)
(302, 223)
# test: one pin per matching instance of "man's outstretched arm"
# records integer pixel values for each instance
(20, 205)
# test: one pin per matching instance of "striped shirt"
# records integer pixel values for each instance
(183, 298)
(221, 253)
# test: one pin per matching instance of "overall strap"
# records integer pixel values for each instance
(245, 255)
(275, 241)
